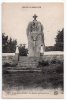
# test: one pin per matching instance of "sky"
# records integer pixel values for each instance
(16, 17)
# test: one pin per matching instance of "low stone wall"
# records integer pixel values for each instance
(59, 55)
(12, 58)
(53, 57)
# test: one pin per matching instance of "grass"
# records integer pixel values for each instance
(50, 76)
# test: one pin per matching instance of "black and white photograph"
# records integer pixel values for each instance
(33, 50)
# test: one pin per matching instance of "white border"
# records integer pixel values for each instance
(1, 39)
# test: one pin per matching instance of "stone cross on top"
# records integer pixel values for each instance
(35, 16)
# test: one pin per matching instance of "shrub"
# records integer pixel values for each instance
(43, 63)
(53, 61)
(9, 65)
(6, 64)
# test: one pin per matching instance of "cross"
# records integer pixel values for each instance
(35, 16)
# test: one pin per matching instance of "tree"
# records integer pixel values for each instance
(4, 43)
(12, 45)
(8, 45)
(60, 40)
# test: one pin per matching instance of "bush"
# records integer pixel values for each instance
(56, 61)
(53, 61)
(9, 65)
(43, 63)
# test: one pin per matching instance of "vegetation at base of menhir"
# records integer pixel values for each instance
(47, 63)
(43, 63)
(8, 45)
(9, 65)
(23, 51)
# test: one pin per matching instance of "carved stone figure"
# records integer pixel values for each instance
(35, 38)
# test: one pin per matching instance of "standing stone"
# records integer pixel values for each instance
(35, 38)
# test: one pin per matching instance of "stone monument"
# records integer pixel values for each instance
(35, 37)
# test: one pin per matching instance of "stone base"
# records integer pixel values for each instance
(25, 64)
(28, 62)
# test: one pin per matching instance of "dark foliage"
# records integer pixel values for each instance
(8, 45)
(6, 65)
(60, 41)
(43, 63)
(9, 65)
(23, 51)
(53, 61)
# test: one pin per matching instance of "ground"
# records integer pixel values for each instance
(49, 76)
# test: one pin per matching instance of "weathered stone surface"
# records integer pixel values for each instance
(35, 37)
(28, 62)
